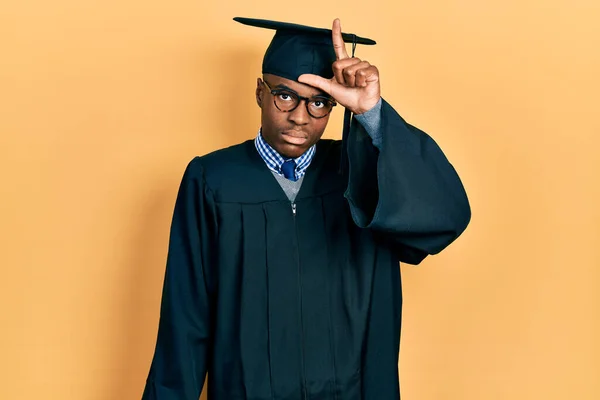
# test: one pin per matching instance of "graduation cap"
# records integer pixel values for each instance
(300, 49)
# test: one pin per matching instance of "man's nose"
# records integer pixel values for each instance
(300, 115)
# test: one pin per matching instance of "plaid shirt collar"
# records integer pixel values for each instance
(274, 160)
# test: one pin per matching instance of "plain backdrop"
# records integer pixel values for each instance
(103, 104)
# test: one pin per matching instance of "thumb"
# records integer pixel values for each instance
(316, 81)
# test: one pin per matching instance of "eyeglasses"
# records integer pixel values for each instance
(287, 100)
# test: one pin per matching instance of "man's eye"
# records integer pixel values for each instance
(318, 104)
(285, 97)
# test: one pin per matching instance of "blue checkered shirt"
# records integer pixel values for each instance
(274, 160)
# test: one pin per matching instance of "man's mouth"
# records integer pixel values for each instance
(294, 137)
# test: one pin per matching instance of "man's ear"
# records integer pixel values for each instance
(259, 92)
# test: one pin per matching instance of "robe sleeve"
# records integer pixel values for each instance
(405, 190)
(180, 359)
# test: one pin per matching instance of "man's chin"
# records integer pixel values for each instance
(289, 150)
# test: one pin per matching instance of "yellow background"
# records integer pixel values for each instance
(103, 103)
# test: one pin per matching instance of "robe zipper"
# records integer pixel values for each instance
(302, 344)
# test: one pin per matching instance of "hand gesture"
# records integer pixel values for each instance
(355, 84)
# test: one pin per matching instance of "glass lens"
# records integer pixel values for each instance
(319, 107)
(286, 101)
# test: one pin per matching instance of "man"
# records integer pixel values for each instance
(282, 277)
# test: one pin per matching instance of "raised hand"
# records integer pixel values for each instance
(355, 83)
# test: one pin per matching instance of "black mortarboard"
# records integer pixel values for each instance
(299, 49)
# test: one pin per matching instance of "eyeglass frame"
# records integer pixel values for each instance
(306, 100)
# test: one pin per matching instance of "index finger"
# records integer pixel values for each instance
(338, 41)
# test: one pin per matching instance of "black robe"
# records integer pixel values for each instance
(281, 304)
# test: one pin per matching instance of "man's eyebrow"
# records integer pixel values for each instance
(320, 94)
(282, 86)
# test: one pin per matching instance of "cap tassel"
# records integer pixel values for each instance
(344, 167)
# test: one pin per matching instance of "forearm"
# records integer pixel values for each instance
(401, 184)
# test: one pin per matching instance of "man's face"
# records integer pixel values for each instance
(290, 133)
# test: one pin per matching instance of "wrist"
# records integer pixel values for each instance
(367, 107)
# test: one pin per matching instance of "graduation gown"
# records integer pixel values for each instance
(290, 301)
